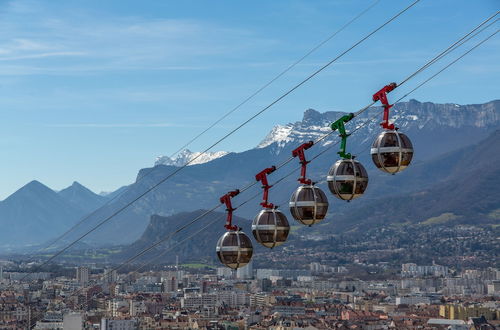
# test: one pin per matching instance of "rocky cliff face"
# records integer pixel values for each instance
(412, 116)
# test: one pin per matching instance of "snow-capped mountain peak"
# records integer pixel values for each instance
(313, 126)
(279, 134)
(187, 155)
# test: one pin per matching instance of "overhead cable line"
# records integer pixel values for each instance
(450, 64)
(290, 173)
(449, 49)
(170, 236)
(357, 128)
(444, 53)
(206, 213)
(251, 96)
(276, 77)
(226, 135)
(455, 44)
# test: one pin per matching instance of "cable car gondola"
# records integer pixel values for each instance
(234, 249)
(392, 151)
(270, 227)
(347, 179)
(308, 205)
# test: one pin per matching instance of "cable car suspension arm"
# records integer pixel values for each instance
(302, 157)
(262, 177)
(226, 199)
(339, 126)
(381, 96)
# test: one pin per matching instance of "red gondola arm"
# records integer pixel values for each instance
(381, 96)
(262, 177)
(226, 199)
(302, 157)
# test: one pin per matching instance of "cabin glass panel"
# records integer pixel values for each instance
(405, 142)
(406, 158)
(230, 240)
(390, 159)
(389, 140)
(345, 168)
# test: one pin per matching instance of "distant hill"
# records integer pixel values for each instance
(82, 197)
(33, 214)
(199, 247)
(113, 194)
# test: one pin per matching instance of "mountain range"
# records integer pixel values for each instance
(465, 191)
(35, 213)
(444, 168)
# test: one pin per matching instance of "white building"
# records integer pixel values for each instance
(413, 300)
(110, 324)
(413, 270)
(494, 288)
(246, 272)
(170, 284)
(224, 272)
(305, 279)
(110, 276)
(199, 301)
(72, 321)
(115, 304)
(82, 275)
(233, 299)
(172, 273)
(48, 325)
(324, 285)
(266, 273)
(137, 308)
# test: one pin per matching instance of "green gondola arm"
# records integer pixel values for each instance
(339, 126)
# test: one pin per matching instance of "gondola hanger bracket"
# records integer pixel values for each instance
(381, 96)
(262, 177)
(299, 152)
(226, 199)
(339, 126)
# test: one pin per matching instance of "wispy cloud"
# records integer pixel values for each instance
(41, 55)
(116, 125)
(37, 35)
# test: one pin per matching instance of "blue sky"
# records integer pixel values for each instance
(92, 91)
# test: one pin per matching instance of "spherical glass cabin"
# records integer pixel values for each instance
(234, 249)
(308, 205)
(347, 179)
(270, 228)
(392, 151)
